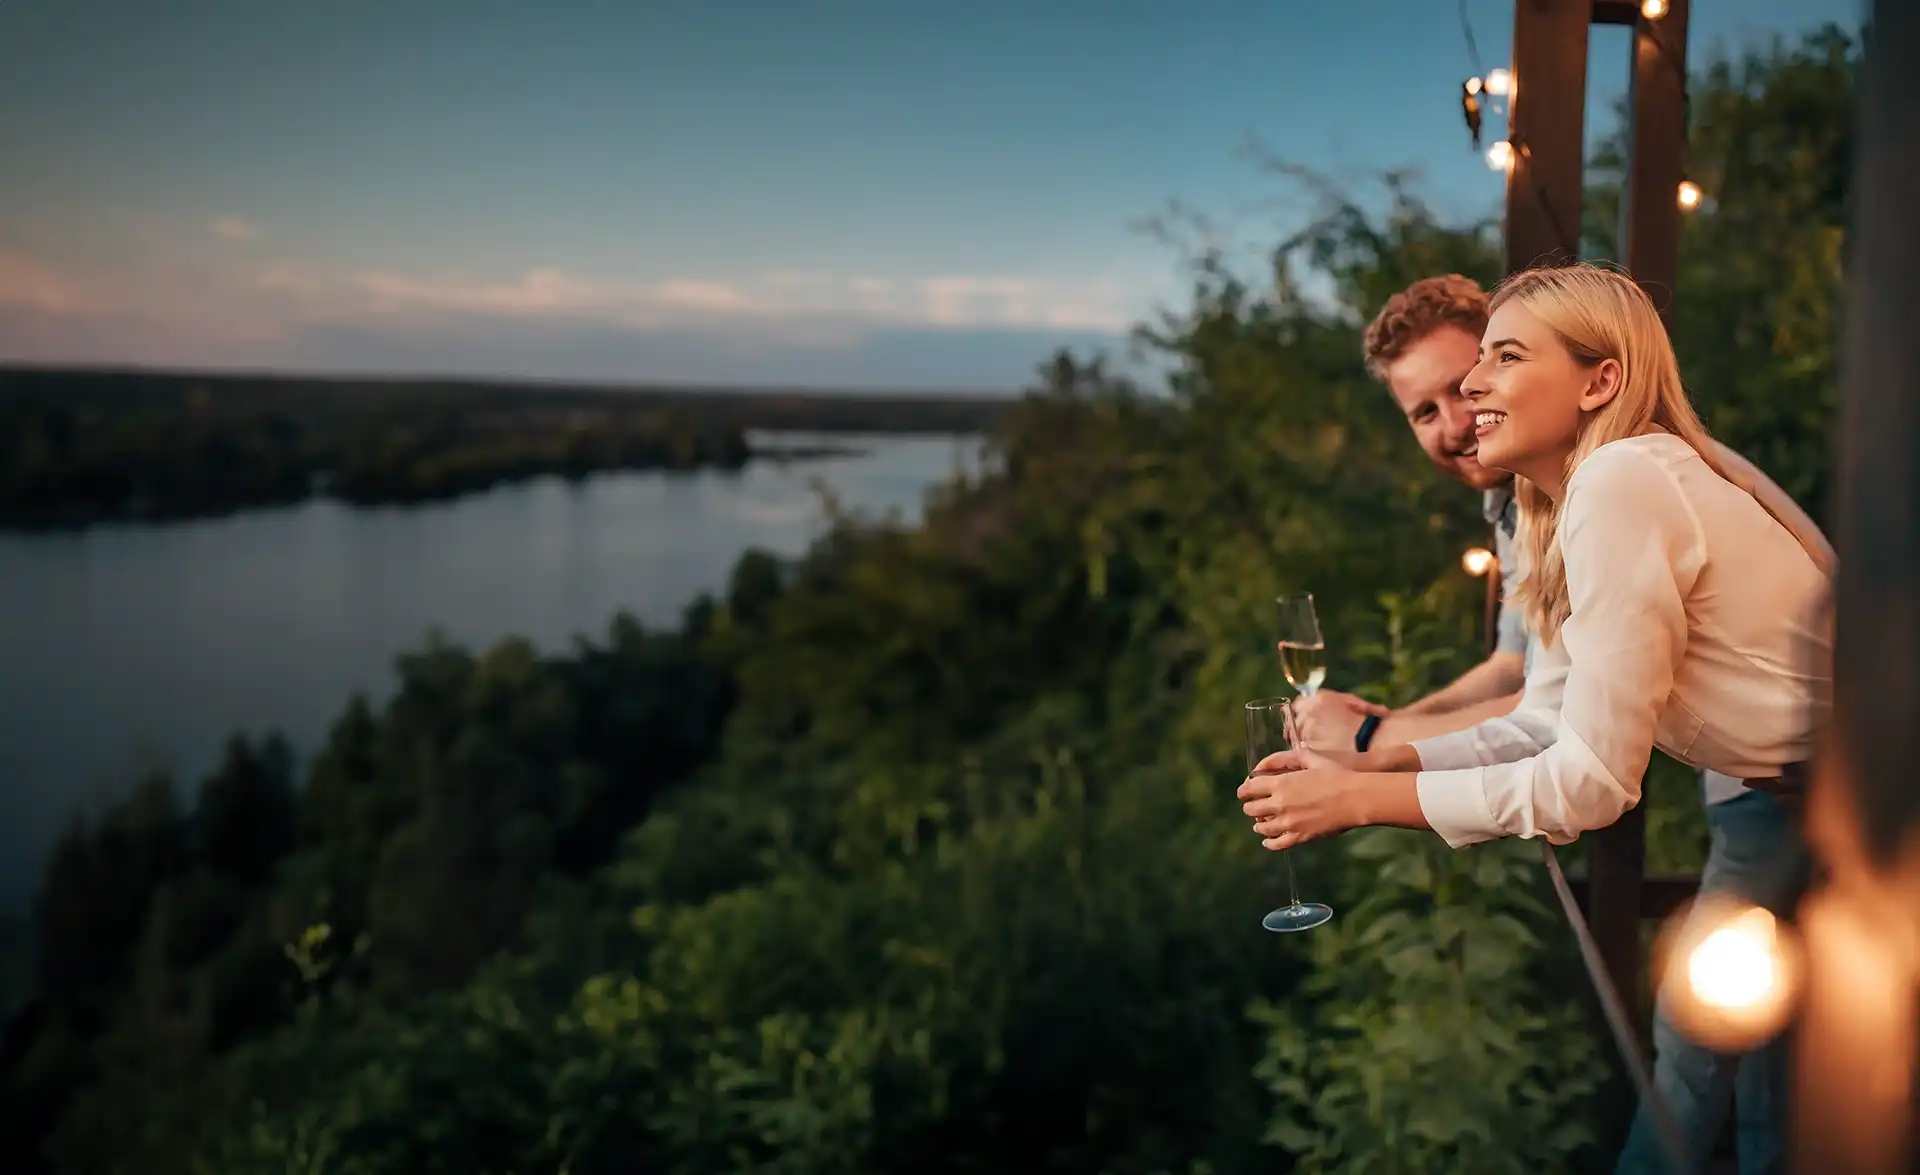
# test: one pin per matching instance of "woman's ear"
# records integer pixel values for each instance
(1608, 376)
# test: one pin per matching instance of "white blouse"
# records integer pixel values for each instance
(1694, 627)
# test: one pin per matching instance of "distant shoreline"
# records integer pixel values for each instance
(775, 408)
(80, 446)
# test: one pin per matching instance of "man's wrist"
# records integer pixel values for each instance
(1363, 737)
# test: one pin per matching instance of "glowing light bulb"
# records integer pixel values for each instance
(1653, 9)
(1500, 156)
(1737, 966)
(1477, 560)
(1473, 85)
(1499, 82)
(1689, 195)
(1733, 974)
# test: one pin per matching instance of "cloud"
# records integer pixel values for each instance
(232, 228)
(862, 329)
(791, 305)
(27, 284)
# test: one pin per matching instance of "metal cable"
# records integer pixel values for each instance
(1618, 1022)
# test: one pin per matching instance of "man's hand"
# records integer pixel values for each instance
(1328, 719)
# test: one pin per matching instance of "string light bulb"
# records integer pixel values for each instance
(1689, 195)
(1500, 83)
(1478, 561)
(1500, 156)
(1653, 9)
(1732, 974)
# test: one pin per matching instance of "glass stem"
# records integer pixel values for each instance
(1293, 889)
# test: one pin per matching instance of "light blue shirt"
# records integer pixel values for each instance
(1510, 629)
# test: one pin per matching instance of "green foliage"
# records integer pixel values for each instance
(921, 852)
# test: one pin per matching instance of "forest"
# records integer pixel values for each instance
(920, 852)
(82, 446)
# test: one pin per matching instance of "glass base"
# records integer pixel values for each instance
(1299, 916)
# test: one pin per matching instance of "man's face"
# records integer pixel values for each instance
(1425, 382)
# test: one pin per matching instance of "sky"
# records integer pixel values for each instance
(858, 193)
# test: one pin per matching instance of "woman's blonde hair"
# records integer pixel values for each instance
(1597, 314)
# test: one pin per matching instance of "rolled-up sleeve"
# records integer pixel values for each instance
(1528, 730)
(1632, 548)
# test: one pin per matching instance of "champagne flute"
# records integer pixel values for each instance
(1270, 729)
(1303, 651)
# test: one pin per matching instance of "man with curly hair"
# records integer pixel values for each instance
(1421, 346)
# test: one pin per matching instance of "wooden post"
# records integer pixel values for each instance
(1656, 135)
(1543, 224)
(1548, 131)
(1656, 139)
(1856, 1050)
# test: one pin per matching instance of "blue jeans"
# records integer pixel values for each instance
(1758, 854)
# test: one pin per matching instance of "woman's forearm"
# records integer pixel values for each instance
(1388, 760)
(1386, 799)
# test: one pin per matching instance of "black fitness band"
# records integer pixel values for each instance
(1363, 737)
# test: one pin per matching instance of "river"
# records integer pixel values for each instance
(125, 644)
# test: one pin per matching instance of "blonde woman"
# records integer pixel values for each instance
(1670, 605)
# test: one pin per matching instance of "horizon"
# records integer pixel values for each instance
(481, 379)
(850, 197)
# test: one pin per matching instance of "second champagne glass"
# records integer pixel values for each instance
(1303, 651)
(1270, 729)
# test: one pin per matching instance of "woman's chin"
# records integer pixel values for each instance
(1492, 454)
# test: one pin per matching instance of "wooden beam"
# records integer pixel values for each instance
(1548, 131)
(1656, 141)
(1543, 227)
(1616, 11)
(1616, 865)
(1856, 1052)
(1660, 895)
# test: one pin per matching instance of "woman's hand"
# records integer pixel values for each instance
(1299, 796)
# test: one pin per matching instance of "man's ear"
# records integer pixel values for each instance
(1608, 377)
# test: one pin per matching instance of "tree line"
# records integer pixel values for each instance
(78, 446)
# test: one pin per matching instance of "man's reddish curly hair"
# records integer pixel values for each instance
(1418, 311)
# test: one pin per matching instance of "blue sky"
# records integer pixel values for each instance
(854, 192)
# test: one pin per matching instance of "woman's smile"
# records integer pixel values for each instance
(1486, 421)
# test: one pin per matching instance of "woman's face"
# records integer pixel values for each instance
(1528, 393)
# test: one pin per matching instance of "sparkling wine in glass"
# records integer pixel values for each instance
(1303, 651)
(1270, 729)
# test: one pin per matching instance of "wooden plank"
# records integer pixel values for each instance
(1856, 1053)
(1548, 131)
(1656, 140)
